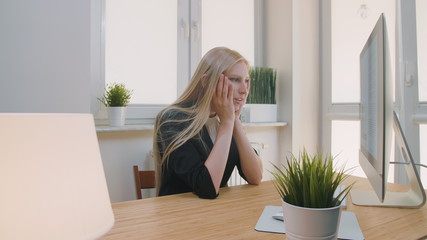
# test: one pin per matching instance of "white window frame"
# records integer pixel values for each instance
(189, 54)
(406, 97)
(407, 91)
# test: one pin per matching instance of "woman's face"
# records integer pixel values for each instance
(239, 76)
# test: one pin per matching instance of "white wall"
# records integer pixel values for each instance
(292, 46)
(119, 152)
(306, 76)
(278, 54)
(45, 56)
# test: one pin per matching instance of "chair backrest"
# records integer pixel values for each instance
(143, 180)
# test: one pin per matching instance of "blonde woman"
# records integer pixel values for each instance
(199, 139)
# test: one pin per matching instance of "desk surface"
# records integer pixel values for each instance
(234, 214)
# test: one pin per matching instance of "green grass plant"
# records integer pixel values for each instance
(116, 95)
(310, 181)
(263, 86)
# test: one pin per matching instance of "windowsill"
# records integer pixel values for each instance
(150, 127)
(125, 128)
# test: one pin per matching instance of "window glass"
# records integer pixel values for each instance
(347, 17)
(230, 24)
(422, 49)
(345, 142)
(141, 48)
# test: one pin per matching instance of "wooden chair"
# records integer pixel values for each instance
(143, 180)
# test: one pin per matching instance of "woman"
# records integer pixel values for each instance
(199, 139)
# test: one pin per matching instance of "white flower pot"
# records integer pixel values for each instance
(116, 116)
(259, 113)
(311, 223)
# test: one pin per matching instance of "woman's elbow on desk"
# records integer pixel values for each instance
(208, 196)
(255, 180)
(253, 172)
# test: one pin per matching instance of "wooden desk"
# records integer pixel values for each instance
(234, 214)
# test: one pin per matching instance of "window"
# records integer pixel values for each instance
(347, 47)
(141, 48)
(345, 84)
(234, 29)
(154, 46)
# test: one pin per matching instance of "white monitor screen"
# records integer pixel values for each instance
(376, 108)
(372, 82)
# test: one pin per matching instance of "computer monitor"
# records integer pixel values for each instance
(377, 121)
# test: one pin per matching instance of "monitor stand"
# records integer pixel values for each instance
(415, 197)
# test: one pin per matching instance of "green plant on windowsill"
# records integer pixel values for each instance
(310, 181)
(116, 95)
(263, 86)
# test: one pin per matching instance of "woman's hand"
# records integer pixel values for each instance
(222, 101)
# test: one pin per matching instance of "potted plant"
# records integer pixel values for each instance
(261, 103)
(307, 186)
(116, 98)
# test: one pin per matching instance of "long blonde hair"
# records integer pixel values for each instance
(194, 105)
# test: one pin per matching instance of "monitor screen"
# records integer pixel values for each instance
(372, 102)
(375, 109)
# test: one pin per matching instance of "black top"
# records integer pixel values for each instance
(185, 171)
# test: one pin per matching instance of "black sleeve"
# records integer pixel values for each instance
(185, 166)
(187, 162)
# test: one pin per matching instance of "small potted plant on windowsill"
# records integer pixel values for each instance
(261, 103)
(116, 98)
(307, 187)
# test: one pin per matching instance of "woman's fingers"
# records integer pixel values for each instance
(220, 86)
(227, 89)
(225, 86)
(230, 91)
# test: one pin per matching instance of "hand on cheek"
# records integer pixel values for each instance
(238, 110)
(222, 101)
